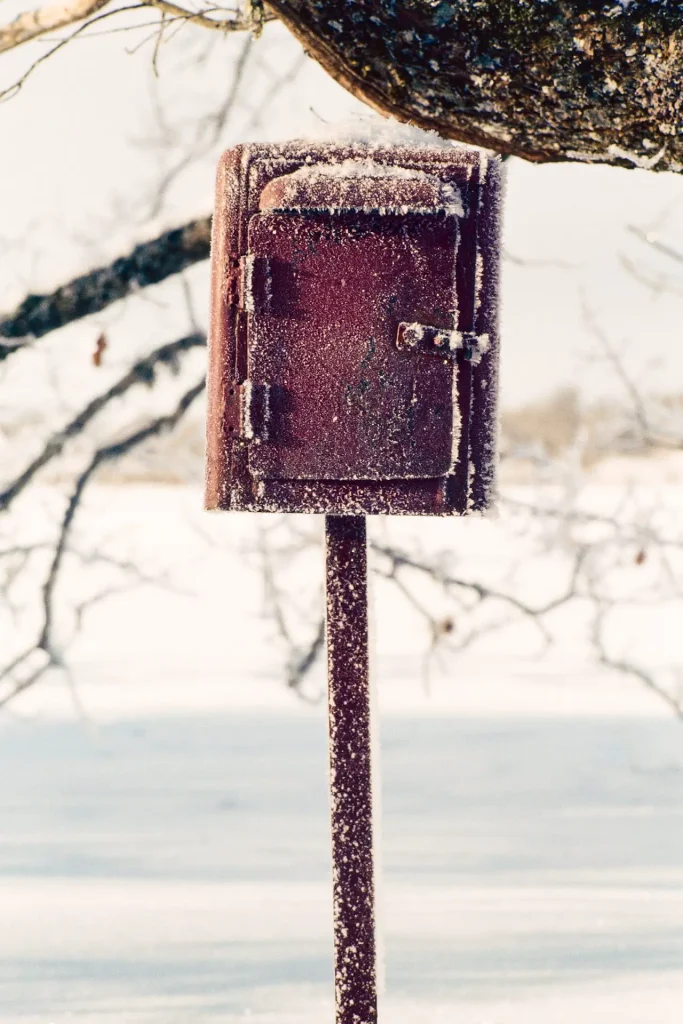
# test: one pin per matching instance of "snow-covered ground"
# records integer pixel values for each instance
(173, 869)
(164, 855)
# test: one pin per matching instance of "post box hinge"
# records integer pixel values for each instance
(438, 342)
(255, 284)
(247, 413)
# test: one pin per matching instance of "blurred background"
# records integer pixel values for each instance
(164, 850)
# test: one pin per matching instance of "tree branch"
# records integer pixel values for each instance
(233, 23)
(45, 645)
(143, 372)
(629, 668)
(596, 82)
(401, 559)
(653, 241)
(149, 263)
(31, 25)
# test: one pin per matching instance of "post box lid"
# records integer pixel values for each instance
(361, 185)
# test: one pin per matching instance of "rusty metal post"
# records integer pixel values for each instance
(350, 770)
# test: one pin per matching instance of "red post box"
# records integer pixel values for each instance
(353, 347)
(353, 365)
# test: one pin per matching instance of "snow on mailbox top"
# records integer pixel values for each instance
(362, 185)
(354, 332)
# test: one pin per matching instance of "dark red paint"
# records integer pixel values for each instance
(353, 370)
(350, 771)
(322, 257)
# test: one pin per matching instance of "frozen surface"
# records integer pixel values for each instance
(168, 869)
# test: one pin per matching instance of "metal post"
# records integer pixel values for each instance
(350, 770)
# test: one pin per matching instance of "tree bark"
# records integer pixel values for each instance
(545, 80)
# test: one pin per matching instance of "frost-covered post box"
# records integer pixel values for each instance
(354, 331)
(353, 359)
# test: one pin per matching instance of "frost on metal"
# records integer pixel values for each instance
(364, 186)
(351, 776)
(353, 360)
(355, 285)
(255, 412)
(442, 343)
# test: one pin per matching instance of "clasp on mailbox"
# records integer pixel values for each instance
(255, 284)
(247, 411)
(440, 342)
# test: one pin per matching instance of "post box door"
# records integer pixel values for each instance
(326, 294)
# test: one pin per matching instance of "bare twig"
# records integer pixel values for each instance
(143, 372)
(299, 661)
(13, 89)
(659, 284)
(617, 365)
(650, 436)
(652, 239)
(205, 141)
(234, 22)
(538, 264)
(400, 559)
(45, 650)
(33, 24)
(627, 667)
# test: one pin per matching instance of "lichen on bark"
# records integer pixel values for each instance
(541, 79)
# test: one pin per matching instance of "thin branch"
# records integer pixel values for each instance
(628, 384)
(33, 24)
(482, 591)
(541, 264)
(301, 662)
(627, 667)
(650, 437)
(651, 239)
(149, 263)
(658, 284)
(143, 372)
(234, 23)
(12, 90)
(45, 643)
(217, 120)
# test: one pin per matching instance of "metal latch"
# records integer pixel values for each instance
(247, 411)
(438, 342)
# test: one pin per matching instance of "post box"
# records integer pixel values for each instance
(354, 333)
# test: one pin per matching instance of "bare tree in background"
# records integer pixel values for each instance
(545, 81)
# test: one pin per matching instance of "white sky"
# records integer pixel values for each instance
(77, 166)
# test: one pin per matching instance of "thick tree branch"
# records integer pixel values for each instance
(554, 80)
(148, 263)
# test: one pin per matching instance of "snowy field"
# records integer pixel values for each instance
(164, 853)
